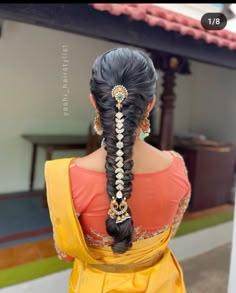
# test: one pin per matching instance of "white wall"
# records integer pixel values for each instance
(205, 102)
(213, 110)
(31, 96)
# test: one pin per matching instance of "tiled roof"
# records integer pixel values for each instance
(171, 21)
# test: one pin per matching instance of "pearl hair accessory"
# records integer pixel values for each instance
(117, 210)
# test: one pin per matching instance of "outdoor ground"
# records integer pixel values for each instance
(208, 272)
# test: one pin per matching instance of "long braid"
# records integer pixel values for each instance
(141, 88)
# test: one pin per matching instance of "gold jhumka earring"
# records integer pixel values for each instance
(118, 206)
(97, 124)
(144, 128)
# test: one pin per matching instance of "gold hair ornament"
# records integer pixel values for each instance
(119, 92)
(119, 211)
(118, 207)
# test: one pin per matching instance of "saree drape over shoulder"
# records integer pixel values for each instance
(149, 266)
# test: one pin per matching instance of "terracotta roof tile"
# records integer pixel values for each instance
(170, 21)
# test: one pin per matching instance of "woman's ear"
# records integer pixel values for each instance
(92, 100)
(151, 105)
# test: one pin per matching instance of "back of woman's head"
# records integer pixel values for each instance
(135, 71)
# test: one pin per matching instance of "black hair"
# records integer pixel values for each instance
(135, 71)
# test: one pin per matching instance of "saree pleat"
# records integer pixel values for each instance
(149, 266)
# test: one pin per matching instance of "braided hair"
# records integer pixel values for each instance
(133, 70)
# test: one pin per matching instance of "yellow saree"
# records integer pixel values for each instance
(149, 266)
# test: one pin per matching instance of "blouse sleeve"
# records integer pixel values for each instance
(184, 202)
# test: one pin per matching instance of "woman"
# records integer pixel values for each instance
(115, 210)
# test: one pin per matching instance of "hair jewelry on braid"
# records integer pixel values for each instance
(119, 206)
(123, 83)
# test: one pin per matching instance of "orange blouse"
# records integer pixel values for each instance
(159, 199)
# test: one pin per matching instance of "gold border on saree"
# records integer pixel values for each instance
(129, 268)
